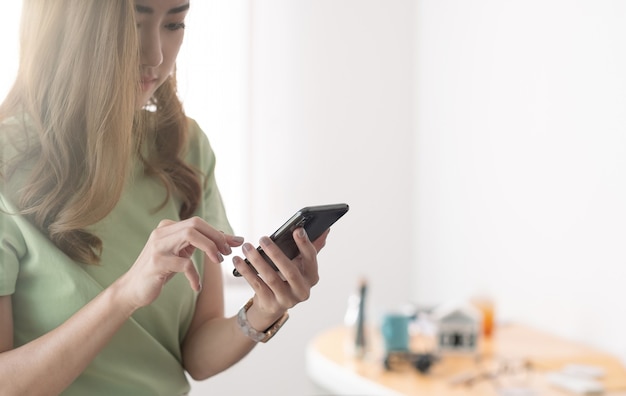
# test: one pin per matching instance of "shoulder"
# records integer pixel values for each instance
(196, 134)
(199, 153)
(201, 156)
(12, 245)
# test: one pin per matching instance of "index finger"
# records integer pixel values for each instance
(222, 241)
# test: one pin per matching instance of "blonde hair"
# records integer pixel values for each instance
(78, 84)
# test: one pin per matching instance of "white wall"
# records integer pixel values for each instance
(331, 121)
(213, 81)
(9, 45)
(521, 161)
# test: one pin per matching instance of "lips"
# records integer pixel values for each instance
(147, 82)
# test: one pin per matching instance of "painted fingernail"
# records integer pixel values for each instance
(227, 248)
(238, 239)
(220, 258)
(265, 241)
(247, 247)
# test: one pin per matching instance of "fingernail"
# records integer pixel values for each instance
(220, 258)
(265, 241)
(301, 232)
(247, 247)
(228, 249)
(238, 239)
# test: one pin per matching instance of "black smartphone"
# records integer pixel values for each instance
(314, 219)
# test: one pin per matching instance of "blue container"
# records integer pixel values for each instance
(395, 330)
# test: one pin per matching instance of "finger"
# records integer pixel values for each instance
(176, 240)
(191, 273)
(268, 299)
(204, 228)
(223, 241)
(308, 254)
(306, 247)
(265, 270)
(233, 241)
(200, 241)
(253, 279)
(292, 286)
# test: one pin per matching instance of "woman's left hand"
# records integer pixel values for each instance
(273, 295)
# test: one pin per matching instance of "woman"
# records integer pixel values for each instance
(107, 194)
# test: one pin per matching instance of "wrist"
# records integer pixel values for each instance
(260, 319)
(116, 293)
(259, 327)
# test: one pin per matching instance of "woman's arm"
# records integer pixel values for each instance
(215, 343)
(49, 364)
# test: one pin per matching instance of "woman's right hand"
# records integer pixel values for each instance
(167, 252)
(34, 369)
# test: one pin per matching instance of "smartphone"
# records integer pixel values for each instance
(314, 219)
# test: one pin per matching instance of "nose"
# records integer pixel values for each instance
(151, 51)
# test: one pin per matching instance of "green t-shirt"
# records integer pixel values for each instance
(47, 287)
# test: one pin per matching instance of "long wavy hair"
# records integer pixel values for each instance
(77, 86)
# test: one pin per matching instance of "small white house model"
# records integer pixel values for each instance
(458, 328)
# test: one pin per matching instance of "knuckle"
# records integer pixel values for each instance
(187, 233)
(304, 295)
(243, 269)
(195, 221)
(290, 272)
(164, 223)
(156, 233)
(273, 280)
(254, 282)
(188, 265)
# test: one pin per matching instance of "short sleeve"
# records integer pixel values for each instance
(12, 247)
(201, 156)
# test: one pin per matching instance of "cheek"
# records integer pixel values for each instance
(170, 49)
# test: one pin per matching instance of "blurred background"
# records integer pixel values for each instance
(481, 146)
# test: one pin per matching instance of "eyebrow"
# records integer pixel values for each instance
(147, 10)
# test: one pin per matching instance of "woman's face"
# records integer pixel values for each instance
(161, 27)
